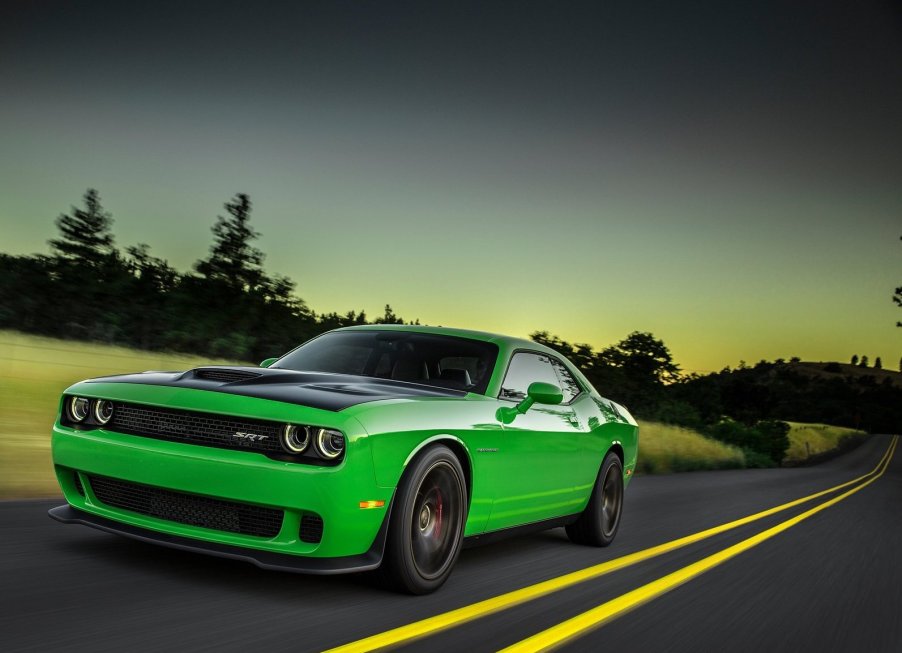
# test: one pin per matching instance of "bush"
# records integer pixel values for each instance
(768, 438)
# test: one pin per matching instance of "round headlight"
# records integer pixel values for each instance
(295, 438)
(78, 407)
(329, 443)
(103, 411)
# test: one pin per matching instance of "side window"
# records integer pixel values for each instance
(566, 382)
(526, 368)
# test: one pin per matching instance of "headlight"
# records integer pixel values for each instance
(103, 411)
(329, 443)
(77, 408)
(295, 438)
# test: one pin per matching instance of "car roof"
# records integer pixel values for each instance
(509, 342)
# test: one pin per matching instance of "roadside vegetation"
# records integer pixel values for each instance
(807, 441)
(33, 373)
(664, 448)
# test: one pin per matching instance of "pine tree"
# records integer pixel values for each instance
(389, 317)
(864, 361)
(86, 236)
(855, 359)
(233, 260)
(878, 364)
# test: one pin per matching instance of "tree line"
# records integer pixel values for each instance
(228, 306)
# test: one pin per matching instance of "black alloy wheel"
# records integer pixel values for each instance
(427, 523)
(598, 523)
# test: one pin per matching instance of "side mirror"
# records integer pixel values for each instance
(544, 393)
(268, 362)
(537, 393)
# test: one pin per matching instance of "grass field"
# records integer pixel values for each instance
(820, 438)
(34, 371)
(665, 448)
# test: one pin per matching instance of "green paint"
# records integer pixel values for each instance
(541, 465)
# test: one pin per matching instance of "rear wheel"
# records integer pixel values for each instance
(427, 523)
(598, 524)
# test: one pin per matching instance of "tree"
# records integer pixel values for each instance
(389, 317)
(644, 355)
(864, 362)
(878, 364)
(897, 298)
(855, 359)
(86, 236)
(233, 260)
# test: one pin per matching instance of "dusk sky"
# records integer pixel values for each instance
(726, 176)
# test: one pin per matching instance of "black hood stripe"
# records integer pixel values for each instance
(315, 389)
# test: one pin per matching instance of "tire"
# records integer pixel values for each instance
(598, 523)
(427, 523)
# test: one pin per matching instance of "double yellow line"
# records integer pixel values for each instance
(607, 611)
(583, 623)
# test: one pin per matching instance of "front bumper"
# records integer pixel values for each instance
(350, 535)
(263, 559)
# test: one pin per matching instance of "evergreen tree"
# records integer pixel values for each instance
(389, 317)
(233, 260)
(897, 298)
(864, 362)
(878, 364)
(85, 235)
(855, 359)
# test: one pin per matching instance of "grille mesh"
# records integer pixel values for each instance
(196, 428)
(311, 528)
(226, 376)
(188, 509)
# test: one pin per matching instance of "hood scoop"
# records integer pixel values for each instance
(223, 374)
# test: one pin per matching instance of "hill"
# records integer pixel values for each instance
(828, 370)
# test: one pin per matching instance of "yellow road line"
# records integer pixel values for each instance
(456, 617)
(581, 624)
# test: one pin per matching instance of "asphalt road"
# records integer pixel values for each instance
(830, 583)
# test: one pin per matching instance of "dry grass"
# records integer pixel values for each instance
(33, 373)
(820, 438)
(664, 448)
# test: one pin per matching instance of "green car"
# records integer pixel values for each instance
(367, 447)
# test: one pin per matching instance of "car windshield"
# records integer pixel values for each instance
(441, 361)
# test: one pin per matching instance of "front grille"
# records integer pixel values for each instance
(189, 509)
(226, 376)
(197, 428)
(311, 528)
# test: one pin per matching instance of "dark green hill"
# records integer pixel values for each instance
(828, 393)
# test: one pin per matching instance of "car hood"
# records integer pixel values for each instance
(315, 389)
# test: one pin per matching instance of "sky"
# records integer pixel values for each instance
(726, 176)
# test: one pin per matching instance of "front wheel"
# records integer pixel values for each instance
(598, 523)
(427, 523)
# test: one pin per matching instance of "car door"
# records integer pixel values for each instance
(538, 453)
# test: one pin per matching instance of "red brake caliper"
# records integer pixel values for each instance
(438, 513)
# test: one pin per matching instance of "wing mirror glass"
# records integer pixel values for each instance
(538, 392)
(268, 362)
